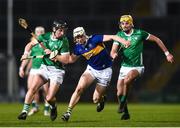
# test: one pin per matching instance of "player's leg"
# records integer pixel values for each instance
(37, 82)
(56, 77)
(99, 97)
(46, 104)
(35, 106)
(128, 79)
(103, 78)
(85, 81)
(51, 99)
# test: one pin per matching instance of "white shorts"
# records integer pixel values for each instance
(51, 73)
(103, 77)
(34, 71)
(125, 70)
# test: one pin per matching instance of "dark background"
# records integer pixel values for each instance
(161, 80)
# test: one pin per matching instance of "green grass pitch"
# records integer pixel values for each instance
(85, 115)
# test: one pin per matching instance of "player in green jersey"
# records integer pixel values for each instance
(51, 70)
(132, 65)
(30, 68)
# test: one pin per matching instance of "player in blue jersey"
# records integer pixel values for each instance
(98, 68)
(132, 63)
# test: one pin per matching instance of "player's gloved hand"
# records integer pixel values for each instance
(53, 54)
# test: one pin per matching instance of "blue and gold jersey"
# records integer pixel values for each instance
(95, 52)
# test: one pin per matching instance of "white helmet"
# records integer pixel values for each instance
(78, 31)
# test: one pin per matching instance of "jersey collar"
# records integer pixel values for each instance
(129, 33)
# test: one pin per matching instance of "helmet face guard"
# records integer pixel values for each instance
(59, 25)
(126, 18)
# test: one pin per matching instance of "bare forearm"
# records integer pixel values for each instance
(28, 48)
(63, 58)
(161, 45)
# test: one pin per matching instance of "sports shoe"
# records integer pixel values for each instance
(53, 113)
(46, 113)
(66, 116)
(33, 111)
(22, 116)
(100, 105)
(125, 116)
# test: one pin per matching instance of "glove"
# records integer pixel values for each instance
(53, 54)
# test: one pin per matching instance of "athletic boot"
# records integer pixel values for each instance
(100, 105)
(125, 116)
(22, 116)
(53, 113)
(66, 116)
(121, 107)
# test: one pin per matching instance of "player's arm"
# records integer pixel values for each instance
(114, 51)
(73, 58)
(159, 42)
(22, 68)
(28, 67)
(116, 38)
(28, 48)
(63, 58)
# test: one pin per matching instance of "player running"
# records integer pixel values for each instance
(32, 68)
(132, 63)
(51, 70)
(99, 67)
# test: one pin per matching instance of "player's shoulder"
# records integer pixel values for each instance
(95, 38)
(64, 38)
(45, 35)
(120, 32)
(139, 31)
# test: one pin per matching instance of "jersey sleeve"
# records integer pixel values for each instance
(145, 35)
(116, 42)
(76, 51)
(97, 39)
(64, 49)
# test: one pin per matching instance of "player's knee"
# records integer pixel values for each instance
(127, 80)
(48, 98)
(79, 91)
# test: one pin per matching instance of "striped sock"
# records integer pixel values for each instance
(46, 107)
(35, 105)
(69, 110)
(26, 108)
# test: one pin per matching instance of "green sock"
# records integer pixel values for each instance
(26, 108)
(35, 105)
(119, 98)
(123, 98)
(46, 107)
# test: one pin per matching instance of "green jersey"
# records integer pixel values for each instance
(62, 45)
(132, 56)
(36, 62)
